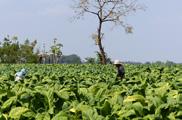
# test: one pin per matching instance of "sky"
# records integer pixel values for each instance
(157, 34)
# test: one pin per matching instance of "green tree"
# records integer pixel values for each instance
(56, 50)
(106, 11)
(96, 60)
(90, 60)
(26, 53)
(71, 59)
(11, 51)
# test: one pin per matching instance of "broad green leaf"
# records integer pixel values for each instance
(50, 100)
(83, 91)
(100, 93)
(134, 98)
(16, 113)
(3, 95)
(157, 101)
(3, 117)
(88, 112)
(106, 108)
(172, 116)
(162, 90)
(8, 103)
(149, 117)
(158, 109)
(60, 116)
(73, 110)
(64, 94)
(138, 107)
(29, 114)
(43, 116)
(179, 114)
(116, 98)
(126, 113)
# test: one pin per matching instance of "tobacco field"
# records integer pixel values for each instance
(91, 92)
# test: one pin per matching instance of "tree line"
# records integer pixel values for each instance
(13, 51)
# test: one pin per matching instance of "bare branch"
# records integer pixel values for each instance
(113, 11)
(110, 20)
(110, 12)
(86, 10)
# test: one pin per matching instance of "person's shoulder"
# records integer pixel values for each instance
(122, 65)
(17, 73)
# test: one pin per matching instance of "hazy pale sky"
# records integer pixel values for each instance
(157, 30)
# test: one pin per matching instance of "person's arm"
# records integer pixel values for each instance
(123, 70)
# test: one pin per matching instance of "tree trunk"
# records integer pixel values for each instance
(103, 56)
(102, 52)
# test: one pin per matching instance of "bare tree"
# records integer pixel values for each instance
(106, 11)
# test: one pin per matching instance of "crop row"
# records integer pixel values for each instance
(91, 92)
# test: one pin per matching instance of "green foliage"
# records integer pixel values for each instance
(97, 59)
(56, 47)
(11, 51)
(71, 59)
(91, 92)
(56, 50)
(90, 60)
(16, 113)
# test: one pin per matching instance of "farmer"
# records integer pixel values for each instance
(20, 75)
(120, 69)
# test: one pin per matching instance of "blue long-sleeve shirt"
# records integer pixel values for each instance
(21, 74)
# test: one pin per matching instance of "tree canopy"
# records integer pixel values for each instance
(106, 11)
(11, 51)
(71, 59)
